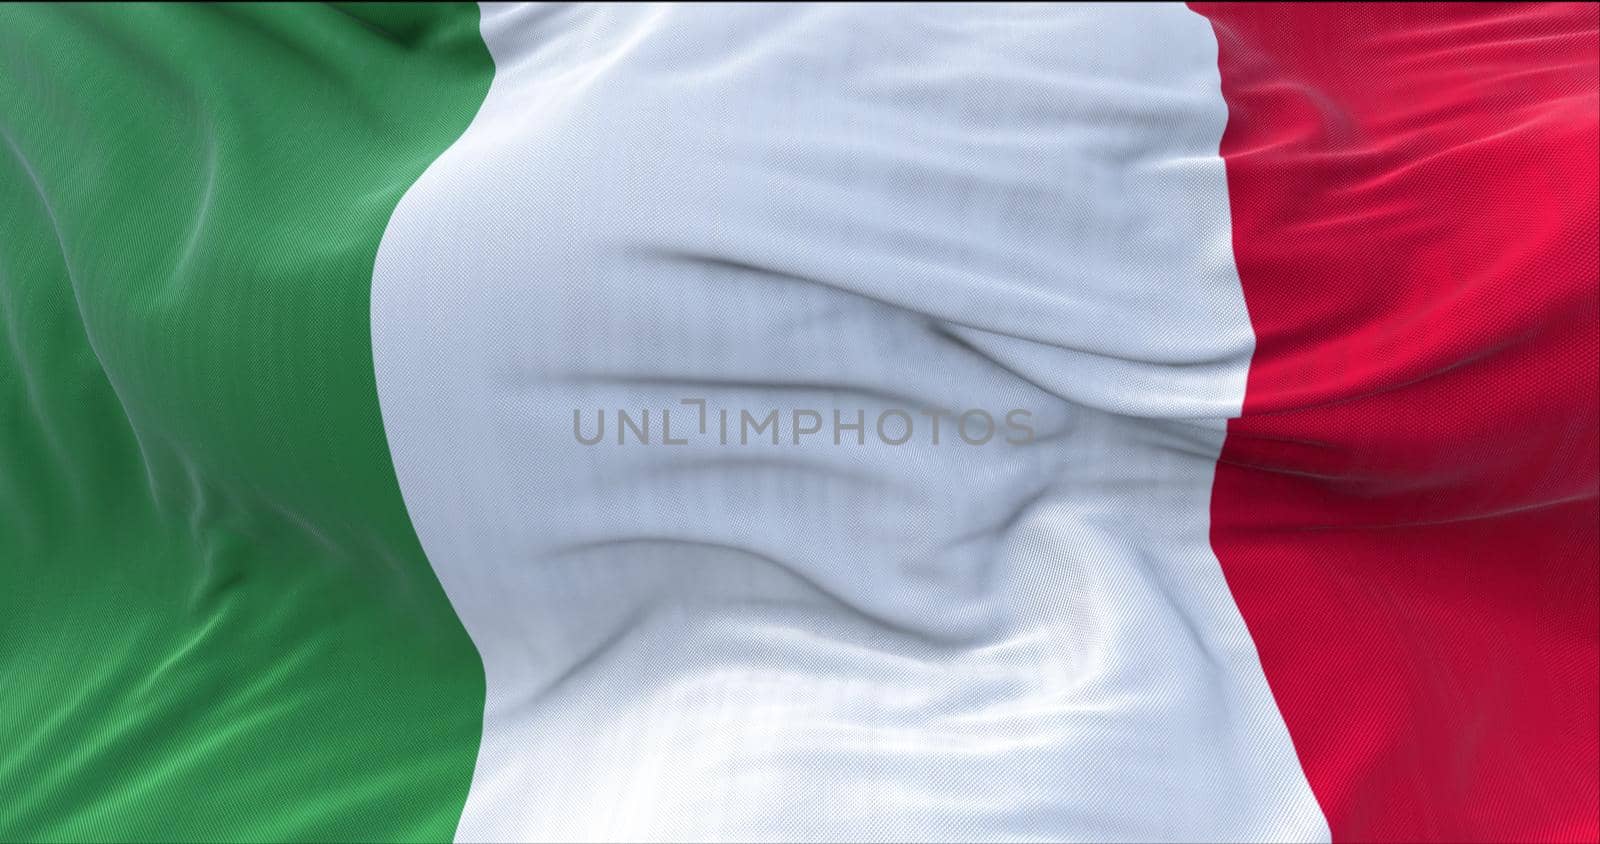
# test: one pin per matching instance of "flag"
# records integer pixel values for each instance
(790, 422)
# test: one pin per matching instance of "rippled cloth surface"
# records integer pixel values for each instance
(567, 422)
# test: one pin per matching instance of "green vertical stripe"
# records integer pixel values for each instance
(215, 621)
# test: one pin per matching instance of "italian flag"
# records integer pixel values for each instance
(307, 314)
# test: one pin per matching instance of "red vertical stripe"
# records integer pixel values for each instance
(1407, 510)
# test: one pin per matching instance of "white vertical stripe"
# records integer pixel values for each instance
(838, 208)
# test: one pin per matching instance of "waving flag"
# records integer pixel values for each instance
(842, 422)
